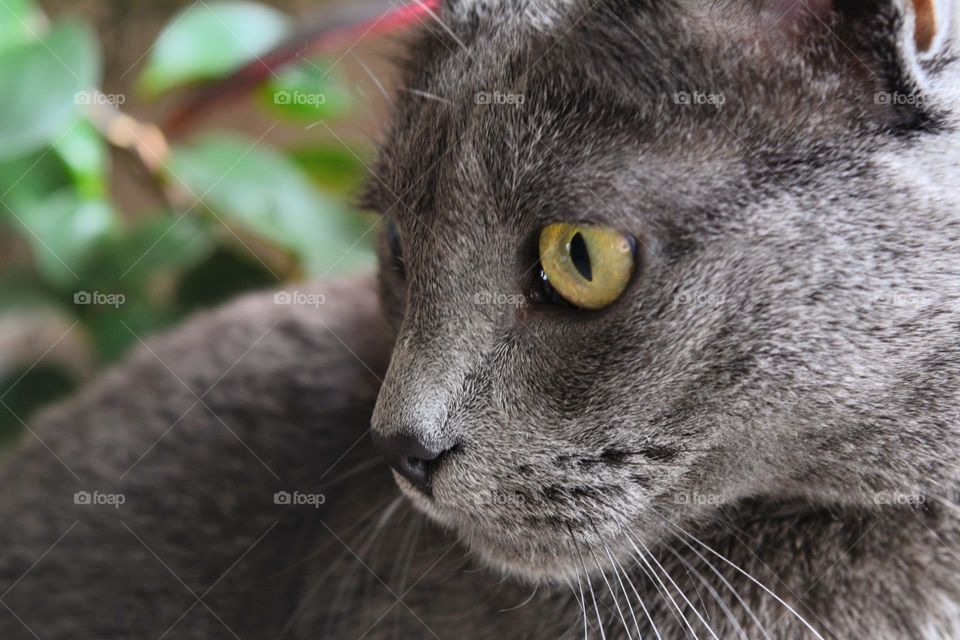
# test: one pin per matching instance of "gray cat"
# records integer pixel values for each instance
(672, 303)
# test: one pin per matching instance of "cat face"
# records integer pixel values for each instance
(748, 347)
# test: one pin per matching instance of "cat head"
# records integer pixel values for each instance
(645, 260)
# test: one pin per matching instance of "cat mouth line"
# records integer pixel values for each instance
(540, 551)
(467, 521)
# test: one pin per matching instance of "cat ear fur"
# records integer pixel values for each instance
(896, 45)
(929, 29)
(934, 25)
(918, 31)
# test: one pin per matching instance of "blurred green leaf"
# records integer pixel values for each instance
(332, 167)
(210, 39)
(64, 232)
(143, 264)
(20, 20)
(308, 91)
(85, 155)
(27, 180)
(159, 244)
(55, 185)
(268, 194)
(40, 82)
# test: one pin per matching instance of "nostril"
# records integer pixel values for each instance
(410, 458)
(418, 463)
(417, 471)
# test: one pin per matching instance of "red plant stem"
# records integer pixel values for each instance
(344, 31)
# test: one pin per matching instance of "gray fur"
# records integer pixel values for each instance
(780, 380)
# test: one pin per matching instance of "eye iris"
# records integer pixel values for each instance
(586, 266)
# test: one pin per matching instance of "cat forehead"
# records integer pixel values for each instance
(540, 14)
(492, 111)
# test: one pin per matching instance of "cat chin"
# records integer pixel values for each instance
(540, 569)
(543, 567)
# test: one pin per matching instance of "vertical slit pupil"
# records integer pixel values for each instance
(581, 257)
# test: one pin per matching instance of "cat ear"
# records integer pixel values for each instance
(896, 42)
(933, 21)
(920, 28)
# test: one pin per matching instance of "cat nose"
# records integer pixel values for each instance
(410, 458)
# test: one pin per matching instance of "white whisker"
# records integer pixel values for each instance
(747, 575)
(639, 599)
(713, 592)
(586, 576)
(726, 583)
(374, 78)
(679, 590)
(613, 595)
(623, 589)
(536, 589)
(578, 599)
(653, 574)
(428, 96)
(583, 601)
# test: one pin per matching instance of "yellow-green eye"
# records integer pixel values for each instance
(587, 266)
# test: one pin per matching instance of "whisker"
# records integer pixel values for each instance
(679, 590)
(573, 591)
(639, 599)
(356, 574)
(596, 608)
(359, 467)
(428, 96)
(613, 595)
(713, 592)
(374, 78)
(342, 557)
(409, 552)
(536, 589)
(583, 606)
(726, 583)
(623, 589)
(586, 575)
(747, 575)
(653, 574)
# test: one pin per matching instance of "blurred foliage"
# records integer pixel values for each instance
(210, 40)
(242, 215)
